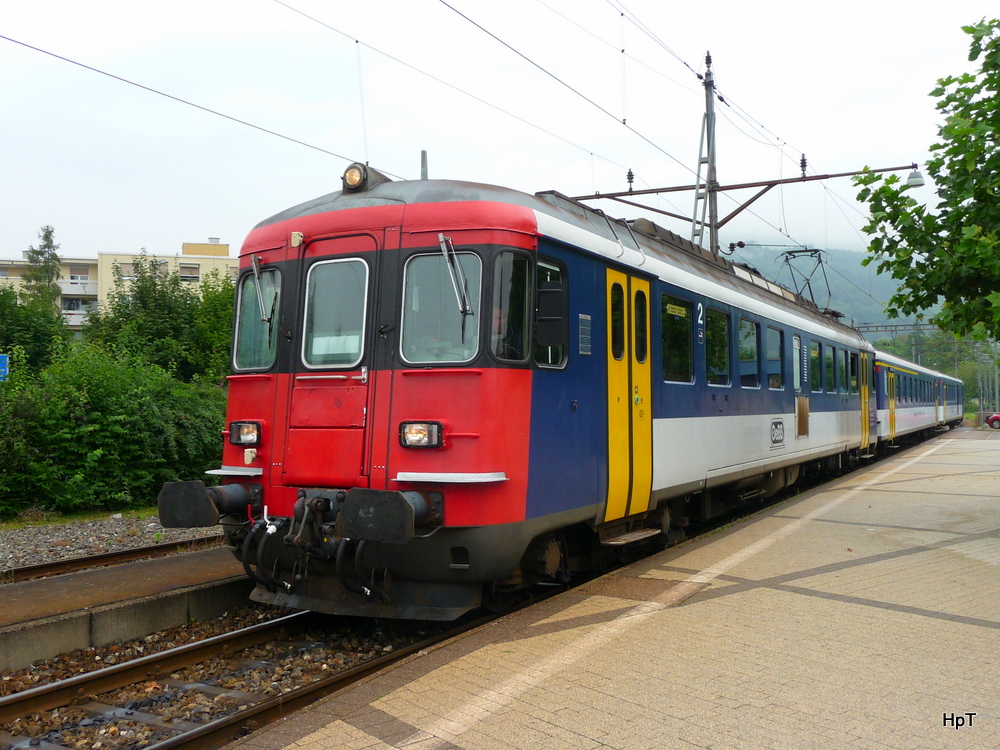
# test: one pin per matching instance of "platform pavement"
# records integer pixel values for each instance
(864, 614)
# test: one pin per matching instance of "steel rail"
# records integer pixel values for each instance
(64, 692)
(217, 733)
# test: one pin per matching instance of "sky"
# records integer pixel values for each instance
(263, 103)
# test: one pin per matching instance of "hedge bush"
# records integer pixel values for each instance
(100, 430)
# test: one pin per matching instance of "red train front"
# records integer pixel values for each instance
(376, 459)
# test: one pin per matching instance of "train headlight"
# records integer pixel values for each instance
(420, 435)
(244, 433)
(355, 177)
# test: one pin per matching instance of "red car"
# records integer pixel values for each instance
(994, 421)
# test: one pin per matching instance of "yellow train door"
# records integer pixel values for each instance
(865, 416)
(891, 393)
(630, 419)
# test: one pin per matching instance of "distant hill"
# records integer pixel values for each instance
(854, 290)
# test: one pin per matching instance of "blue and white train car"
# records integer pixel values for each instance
(912, 398)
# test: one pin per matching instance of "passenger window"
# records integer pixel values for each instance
(552, 316)
(797, 358)
(678, 328)
(776, 358)
(831, 374)
(842, 371)
(815, 373)
(854, 372)
(717, 347)
(749, 358)
(509, 319)
(641, 335)
(617, 321)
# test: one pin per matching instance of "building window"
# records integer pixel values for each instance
(190, 272)
(3, 273)
(79, 273)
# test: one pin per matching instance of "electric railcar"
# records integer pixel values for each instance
(442, 392)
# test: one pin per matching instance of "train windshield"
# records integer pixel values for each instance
(336, 297)
(435, 328)
(258, 305)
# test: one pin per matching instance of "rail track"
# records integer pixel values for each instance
(97, 707)
(76, 564)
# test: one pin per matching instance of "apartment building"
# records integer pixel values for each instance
(86, 282)
(78, 284)
(195, 261)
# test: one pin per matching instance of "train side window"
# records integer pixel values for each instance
(842, 367)
(336, 301)
(815, 373)
(749, 356)
(797, 357)
(434, 328)
(677, 324)
(641, 334)
(776, 358)
(854, 372)
(509, 322)
(830, 360)
(257, 326)
(551, 315)
(617, 321)
(717, 347)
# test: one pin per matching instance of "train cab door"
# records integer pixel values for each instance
(890, 391)
(866, 434)
(330, 386)
(629, 379)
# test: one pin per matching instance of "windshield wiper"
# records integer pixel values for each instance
(255, 263)
(458, 282)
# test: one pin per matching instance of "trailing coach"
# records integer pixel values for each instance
(443, 392)
(912, 399)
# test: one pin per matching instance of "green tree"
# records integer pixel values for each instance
(155, 315)
(31, 326)
(40, 280)
(951, 254)
(213, 327)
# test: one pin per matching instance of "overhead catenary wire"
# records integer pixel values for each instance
(178, 99)
(443, 82)
(563, 83)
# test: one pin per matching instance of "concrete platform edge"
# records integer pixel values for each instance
(24, 643)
